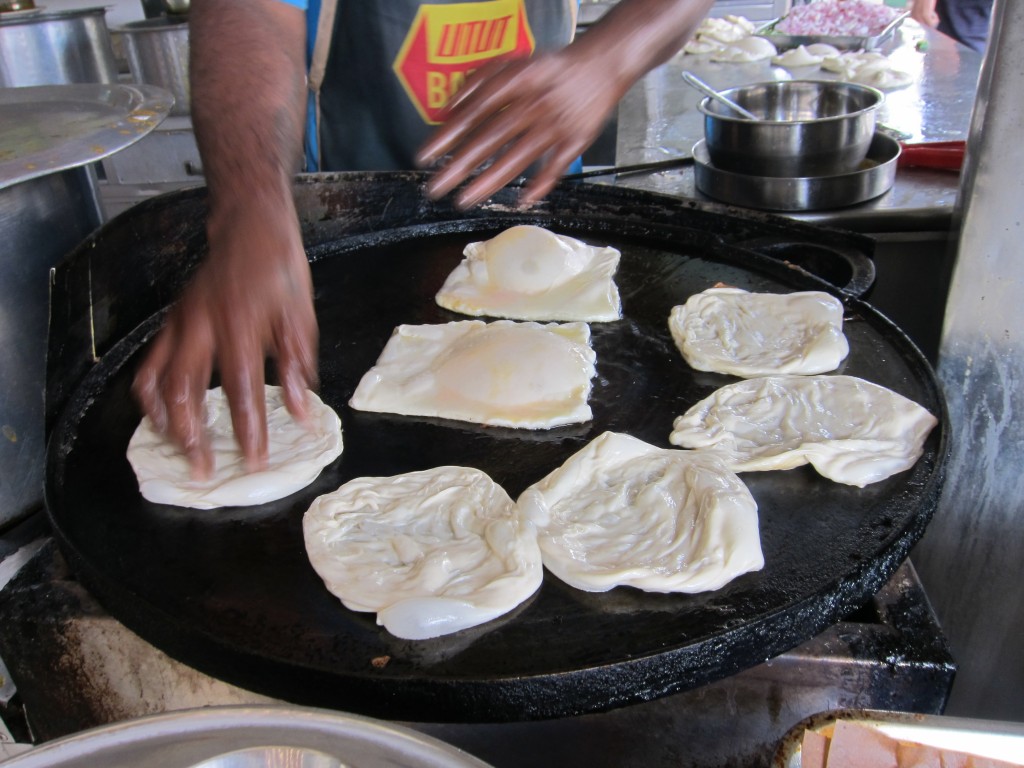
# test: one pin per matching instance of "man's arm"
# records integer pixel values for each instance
(553, 106)
(923, 12)
(252, 296)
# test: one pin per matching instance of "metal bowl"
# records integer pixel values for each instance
(807, 128)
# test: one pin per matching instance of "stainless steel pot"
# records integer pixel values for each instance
(157, 53)
(48, 203)
(58, 48)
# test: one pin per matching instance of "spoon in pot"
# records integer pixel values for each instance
(707, 90)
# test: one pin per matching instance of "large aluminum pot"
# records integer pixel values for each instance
(56, 48)
(157, 53)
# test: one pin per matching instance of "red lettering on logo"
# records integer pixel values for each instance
(431, 77)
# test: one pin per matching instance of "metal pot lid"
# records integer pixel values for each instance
(270, 736)
(50, 128)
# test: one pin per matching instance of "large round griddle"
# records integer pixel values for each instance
(231, 592)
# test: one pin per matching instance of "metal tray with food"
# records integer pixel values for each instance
(991, 739)
(784, 42)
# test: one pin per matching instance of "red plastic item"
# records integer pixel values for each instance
(940, 155)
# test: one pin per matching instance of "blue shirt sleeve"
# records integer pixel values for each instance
(312, 9)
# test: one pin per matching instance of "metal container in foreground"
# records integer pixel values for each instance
(235, 737)
(57, 48)
(806, 128)
(157, 52)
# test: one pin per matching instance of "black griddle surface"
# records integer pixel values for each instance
(232, 593)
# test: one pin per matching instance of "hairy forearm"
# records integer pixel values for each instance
(248, 96)
(637, 35)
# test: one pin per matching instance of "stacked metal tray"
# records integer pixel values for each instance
(844, 42)
(874, 177)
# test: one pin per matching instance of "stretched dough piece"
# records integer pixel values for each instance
(624, 512)
(430, 552)
(729, 330)
(503, 373)
(848, 429)
(297, 454)
(530, 273)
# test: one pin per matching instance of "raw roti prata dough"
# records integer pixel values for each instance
(431, 552)
(848, 429)
(297, 454)
(622, 512)
(729, 330)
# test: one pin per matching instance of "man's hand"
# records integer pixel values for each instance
(923, 12)
(252, 298)
(553, 106)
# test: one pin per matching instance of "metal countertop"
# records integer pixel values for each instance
(658, 120)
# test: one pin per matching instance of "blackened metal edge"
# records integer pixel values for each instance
(493, 700)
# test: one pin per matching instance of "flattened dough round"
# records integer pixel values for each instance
(729, 330)
(297, 454)
(848, 429)
(431, 552)
(622, 512)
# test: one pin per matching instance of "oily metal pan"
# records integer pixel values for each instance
(231, 592)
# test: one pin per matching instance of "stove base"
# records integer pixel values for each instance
(76, 667)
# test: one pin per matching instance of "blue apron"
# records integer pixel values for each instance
(394, 64)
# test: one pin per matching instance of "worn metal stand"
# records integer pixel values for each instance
(78, 668)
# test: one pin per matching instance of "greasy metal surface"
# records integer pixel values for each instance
(50, 128)
(773, 193)
(231, 592)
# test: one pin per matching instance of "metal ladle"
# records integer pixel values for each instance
(707, 90)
